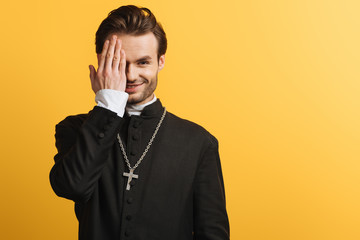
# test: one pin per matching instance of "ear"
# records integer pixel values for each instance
(161, 62)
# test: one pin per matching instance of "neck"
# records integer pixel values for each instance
(133, 109)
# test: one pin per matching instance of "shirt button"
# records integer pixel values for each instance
(128, 217)
(101, 135)
(132, 153)
(135, 137)
(130, 200)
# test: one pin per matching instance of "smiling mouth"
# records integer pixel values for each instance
(132, 87)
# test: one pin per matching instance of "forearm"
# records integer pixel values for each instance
(84, 148)
(82, 153)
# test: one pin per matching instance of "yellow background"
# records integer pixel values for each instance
(277, 82)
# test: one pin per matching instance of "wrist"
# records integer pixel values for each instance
(113, 100)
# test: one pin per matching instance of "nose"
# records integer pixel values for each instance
(131, 73)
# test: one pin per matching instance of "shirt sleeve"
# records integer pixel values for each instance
(84, 144)
(112, 100)
(210, 217)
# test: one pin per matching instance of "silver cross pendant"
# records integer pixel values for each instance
(130, 176)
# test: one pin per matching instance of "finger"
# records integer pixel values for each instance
(110, 53)
(122, 65)
(102, 56)
(122, 70)
(116, 59)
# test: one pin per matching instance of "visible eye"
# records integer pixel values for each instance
(144, 63)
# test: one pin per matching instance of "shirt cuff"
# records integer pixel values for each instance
(113, 100)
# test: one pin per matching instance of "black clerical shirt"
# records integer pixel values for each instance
(179, 193)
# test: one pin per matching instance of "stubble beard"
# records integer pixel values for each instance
(139, 97)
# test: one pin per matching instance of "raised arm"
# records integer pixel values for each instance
(83, 142)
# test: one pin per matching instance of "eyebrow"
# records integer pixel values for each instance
(144, 58)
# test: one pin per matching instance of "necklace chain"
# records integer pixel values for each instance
(147, 147)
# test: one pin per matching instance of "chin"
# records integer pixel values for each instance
(139, 98)
(135, 99)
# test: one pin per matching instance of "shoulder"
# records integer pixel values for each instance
(73, 121)
(69, 128)
(192, 130)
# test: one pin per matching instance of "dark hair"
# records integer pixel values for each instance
(131, 20)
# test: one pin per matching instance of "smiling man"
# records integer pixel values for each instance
(134, 170)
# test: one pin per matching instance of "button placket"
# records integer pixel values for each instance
(133, 150)
(128, 214)
(135, 137)
(134, 131)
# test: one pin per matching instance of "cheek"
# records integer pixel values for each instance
(149, 72)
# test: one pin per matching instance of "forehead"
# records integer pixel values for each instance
(138, 46)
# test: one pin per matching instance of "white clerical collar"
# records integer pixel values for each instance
(133, 109)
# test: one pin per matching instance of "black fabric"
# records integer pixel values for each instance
(179, 194)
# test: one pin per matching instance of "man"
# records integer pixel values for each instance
(134, 170)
